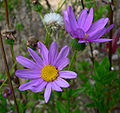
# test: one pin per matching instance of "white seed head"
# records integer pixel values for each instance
(53, 18)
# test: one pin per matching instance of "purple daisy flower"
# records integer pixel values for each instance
(84, 30)
(46, 72)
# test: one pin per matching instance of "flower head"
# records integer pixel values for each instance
(84, 30)
(46, 72)
(53, 20)
(6, 92)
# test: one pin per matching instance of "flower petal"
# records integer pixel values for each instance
(79, 33)
(43, 52)
(100, 33)
(67, 23)
(47, 92)
(56, 87)
(40, 87)
(29, 85)
(88, 21)
(72, 19)
(67, 74)
(26, 62)
(62, 63)
(101, 40)
(63, 53)
(28, 73)
(96, 26)
(36, 57)
(61, 82)
(82, 18)
(53, 52)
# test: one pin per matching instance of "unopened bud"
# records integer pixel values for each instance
(32, 42)
(78, 46)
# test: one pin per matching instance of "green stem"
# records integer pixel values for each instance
(72, 60)
(59, 7)
(47, 31)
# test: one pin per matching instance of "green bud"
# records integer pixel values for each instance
(9, 41)
(77, 46)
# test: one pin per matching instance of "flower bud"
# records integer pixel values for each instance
(32, 42)
(78, 46)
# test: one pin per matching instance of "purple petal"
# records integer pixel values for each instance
(26, 62)
(62, 63)
(29, 85)
(28, 73)
(97, 35)
(40, 87)
(88, 21)
(56, 87)
(63, 53)
(96, 26)
(67, 74)
(79, 33)
(100, 33)
(53, 52)
(36, 57)
(47, 92)
(82, 18)
(66, 20)
(61, 82)
(43, 52)
(72, 19)
(101, 40)
(82, 41)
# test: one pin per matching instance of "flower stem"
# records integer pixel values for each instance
(111, 33)
(72, 60)
(11, 46)
(91, 50)
(8, 74)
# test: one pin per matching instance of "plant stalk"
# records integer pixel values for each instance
(111, 33)
(11, 46)
(72, 60)
(91, 50)
(8, 74)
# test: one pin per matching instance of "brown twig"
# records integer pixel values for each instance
(48, 4)
(8, 74)
(82, 2)
(11, 50)
(111, 33)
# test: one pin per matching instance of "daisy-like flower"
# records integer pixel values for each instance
(84, 30)
(53, 19)
(46, 72)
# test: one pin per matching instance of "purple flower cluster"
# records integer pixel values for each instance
(46, 72)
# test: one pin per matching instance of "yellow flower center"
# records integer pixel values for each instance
(49, 73)
(86, 35)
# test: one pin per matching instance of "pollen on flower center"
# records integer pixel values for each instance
(49, 73)
(86, 35)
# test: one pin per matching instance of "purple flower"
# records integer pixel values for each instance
(84, 30)
(46, 72)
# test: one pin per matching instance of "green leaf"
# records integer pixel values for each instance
(118, 49)
(76, 92)
(9, 41)
(60, 107)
